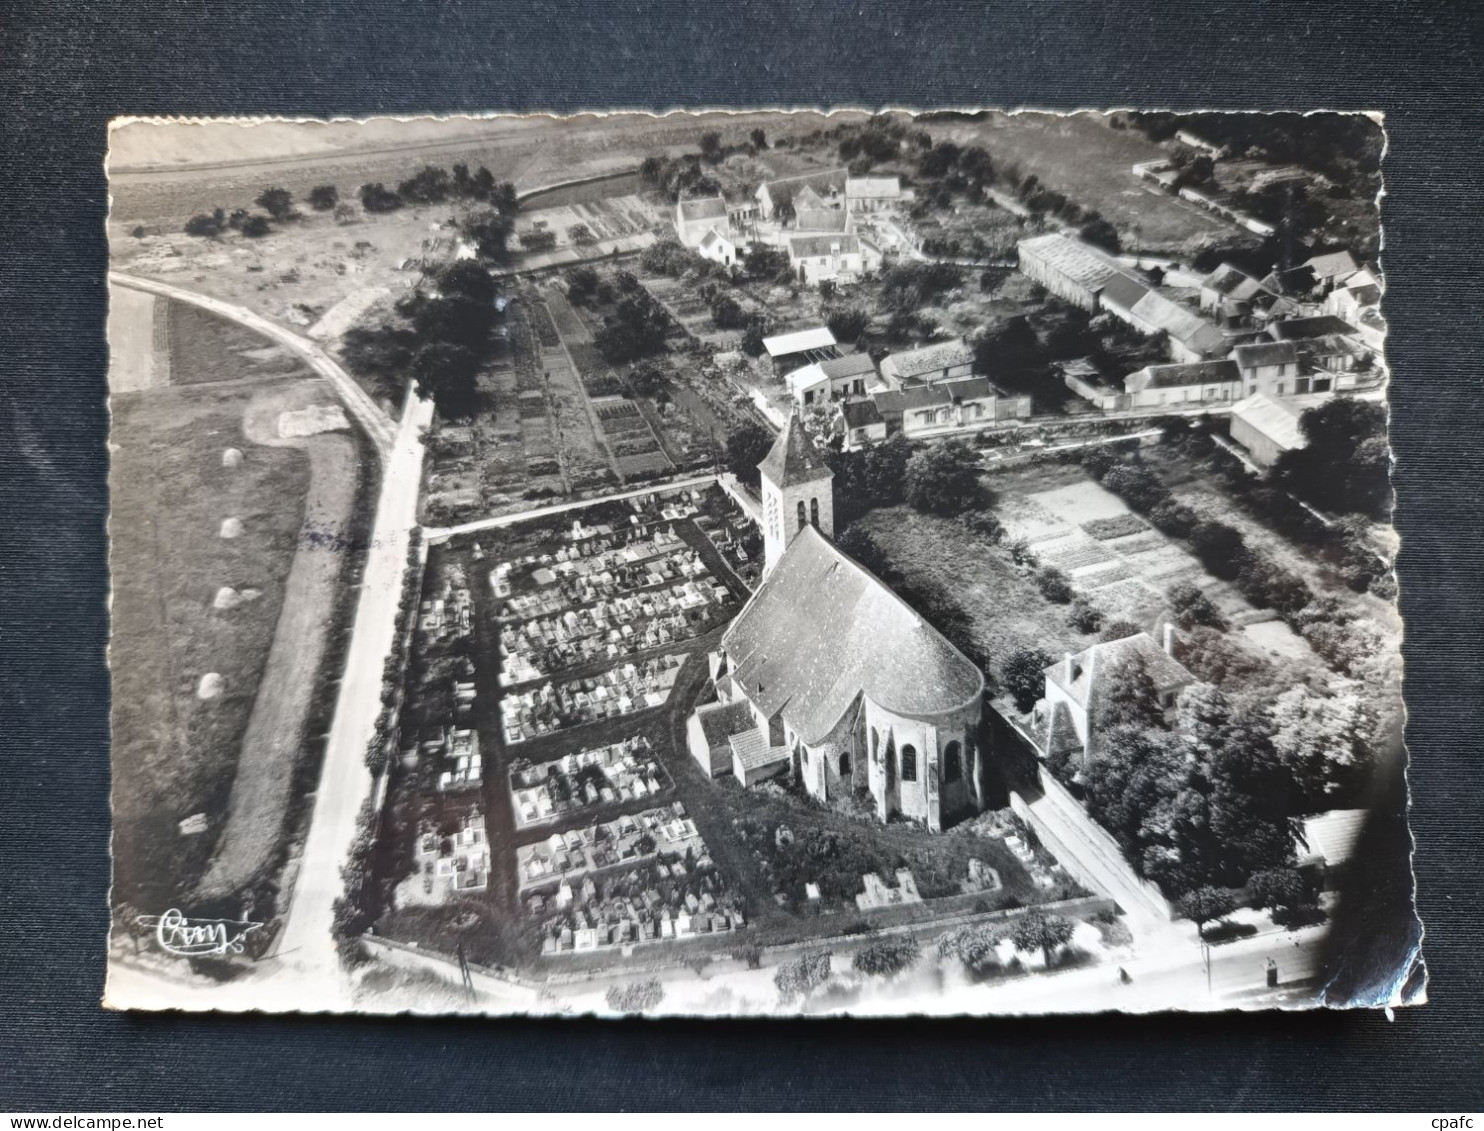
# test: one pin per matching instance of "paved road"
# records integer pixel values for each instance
(344, 784)
(366, 411)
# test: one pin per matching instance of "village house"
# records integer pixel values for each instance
(821, 221)
(1226, 285)
(936, 361)
(801, 347)
(694, 218)
(850, 690)
(1268, 367)
(717, 248)
(1266, 428)
(1200, 382)
(832, 379)
(1330, 270)
(1317, 326)
(862, 423)
(921, 409)
(826, 190)
(1067, 719)
(872, 194)
(817, 258)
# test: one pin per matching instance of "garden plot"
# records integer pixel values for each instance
(544, 792)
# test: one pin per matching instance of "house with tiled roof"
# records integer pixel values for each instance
(694, 218)
(832, 379)
(862, 423)
(1331, 270)
(717, 248)
(1184, 383)
(849, 689)
(872, 194)
(1077, 688)
(816, 258)
(826, 190)
(1268, 368)
(816, 221)
(925, 365)
(1070, 269)
(1267, 427)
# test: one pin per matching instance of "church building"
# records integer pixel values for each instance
(828, 675)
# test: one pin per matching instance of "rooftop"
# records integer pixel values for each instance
(793, 458)
(851, 365)
(873, 186)
(1084, 265)
(783, 190)
(781, 345)
(1332, 835)
(928, 359)
(821, 220)
(752, 750)
(861, 414)
(712, 238)
(1090, 667)
(1124, 291)
(1265, 353)
(1316, 327)
(704, 208)
(968, 388)
(1176, 376)
(1277, 420)
(821, 631)
(721, 720)
(1334, 265)
(804, 247)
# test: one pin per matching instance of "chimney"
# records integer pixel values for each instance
(1169, 639)
(1066, 669)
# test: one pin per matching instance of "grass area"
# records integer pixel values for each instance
(173, 754)
(1004, 608)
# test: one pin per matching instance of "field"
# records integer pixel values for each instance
(1089, 161)
(189, 602)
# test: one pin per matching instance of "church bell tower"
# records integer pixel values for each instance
(798, 491)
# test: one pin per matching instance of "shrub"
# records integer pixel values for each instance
(803, 975)
(1192, 607)
(1173, 518)
(206, 224)
(277, 202)
(1054, 585)
(376, 197)
(324, 198)
(636, 997)
(542, 239)
(944, 479)
(887, 957)
(1219, 547)
(1085, 617)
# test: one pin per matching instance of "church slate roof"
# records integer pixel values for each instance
(822, 630)
(793, 458)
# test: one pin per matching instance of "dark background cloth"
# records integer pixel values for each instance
(68, 67)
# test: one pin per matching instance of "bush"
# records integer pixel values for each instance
(582, 283)
(1219, 547)
(376, 197)
(944, 479)
(1054, 585)
(887, 957)
(542, 239)
(636, 997)
(206, 224)
(1192, 607)
(803, 975)
(277, 202)
(1172, 518)
(324, 198)
(1085, 617)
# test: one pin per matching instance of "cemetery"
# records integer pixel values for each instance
(550, 791)
(623, 690)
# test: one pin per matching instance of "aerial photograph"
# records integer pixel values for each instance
(754, 563)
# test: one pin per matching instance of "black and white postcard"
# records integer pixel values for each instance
(757, 563)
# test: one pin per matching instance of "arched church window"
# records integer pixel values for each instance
(814, 512)
(845, 763)
(803, 516)
(909, 763)
(953, 762)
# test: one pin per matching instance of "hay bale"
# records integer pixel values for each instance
(232, 457)
(231, 528)
(211, 686)
(226, 598)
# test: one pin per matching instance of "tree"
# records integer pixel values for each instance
(376, 197)
(1320, 740)
(847, 323)
(944, 479)
(856, 542)
(1206, 904)
(582, 283)
(446, 372)
(1284, 892)
(636, 997)
(1129, 696)
(324, 198)
(1346, 463)
(1010, 353)
(1100, 233)
(973, 946)
(746, 446)
(1085, 616)
(1219, 547)
(711, 146)
(886, 958)
(726, 313)
(636, 328)
(255, 226)
(759, 138)
(490, 230)
(277, 202)
(429, 185)
(466, 279)
(803, 975)
(1045, 933)
(581, 235)
(1023, 675)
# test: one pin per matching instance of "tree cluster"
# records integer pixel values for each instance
(637, 328)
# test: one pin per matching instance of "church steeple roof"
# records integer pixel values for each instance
(793, 457)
